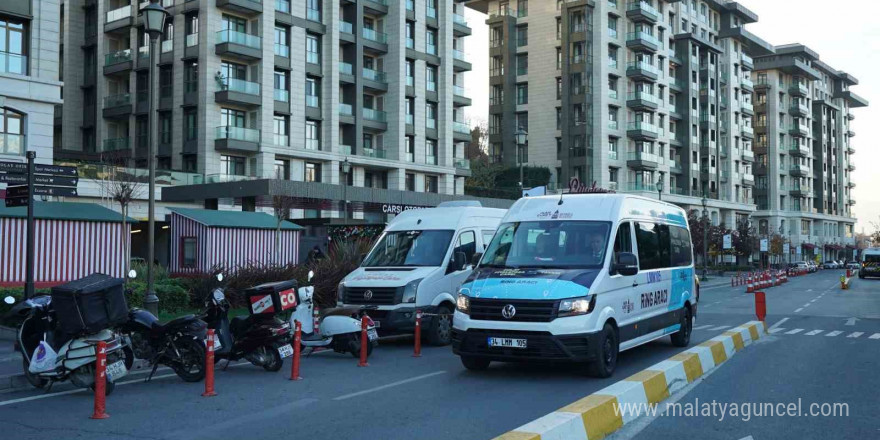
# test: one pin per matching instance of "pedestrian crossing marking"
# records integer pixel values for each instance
(834, 333)
(814, 332)
(854, 334)
(874, 336)
(795, 331)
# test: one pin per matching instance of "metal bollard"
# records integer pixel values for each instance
(100, 381)
(364, 342)
(417, 351)
(209, 365)
(297, 341)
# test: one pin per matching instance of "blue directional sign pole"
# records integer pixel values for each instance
(29, 268)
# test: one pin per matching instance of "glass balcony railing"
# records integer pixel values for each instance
(374, 75)
(643, 96)
(281, 139)
(313, 57)
(346, 27)
(375, 152)
(431, 12)
(458, 91)
(15, 63)
(313, 15)
(431, 124)
(643, 156)
(345, 149)
(346, 109)
(119, 14)
(241, 86)
(613, 125)
(117, 57)
(346, 68)
(746, 81)
(166, 46)
(410, 5)
(613, 155)
(431, 160)
(644, 126)
(459, 19)
(410, 81)
(230, 36)
(192, 40)
(458, 55)
(238, 133)
(410, 119)
(283, 50)
(374, 35)
(12, 144)
(747, 59)
(312, 101)
(282, 95)
(431, 48)
(115, 144)
(632, 36)
(460, 127)
(640, 187)
(117, 100)
(461, 163)
(431, 86)
(642, 65)
(313, 144)
(284, 6)
(644, 7)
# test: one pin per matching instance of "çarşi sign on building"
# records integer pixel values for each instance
(575, 186)
(390, 208)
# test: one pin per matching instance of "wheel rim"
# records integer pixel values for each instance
(687, 326)
(608, 347)
(443, 326)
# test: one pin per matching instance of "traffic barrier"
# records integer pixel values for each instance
(844, 282)
(209, 365)
(297, 342)
(760, 305)
(417, 351)
(602, 413)
(100, 382)
(364, 342)
(750, 288)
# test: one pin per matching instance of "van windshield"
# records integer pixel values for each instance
(872, 259)
(410, 248)
(550, 244)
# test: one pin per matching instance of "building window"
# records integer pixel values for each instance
(313, 135)
(522, 94)
(430, 152)
(312, 172)
(232, 165)
(280, 130)
(11, 132)
(410, 149)
(431, 42)
(431, 115)
(313, 49)
(410, 182)
(282, 169)
(13, 46)
(522, 64)
(431, 78)
(189, 249)
(522, 36)
(431, 184)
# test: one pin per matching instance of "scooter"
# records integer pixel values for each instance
(338, 327)
(264, 340)
(178, 343)
(75, 359)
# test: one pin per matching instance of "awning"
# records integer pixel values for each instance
(808, 246)
(849, 246)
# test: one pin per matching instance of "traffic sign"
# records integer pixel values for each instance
(55, 170)
(21, 179)
(16, 202)
(22, 191)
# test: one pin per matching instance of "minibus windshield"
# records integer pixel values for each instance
(410, 248)
(549, 244)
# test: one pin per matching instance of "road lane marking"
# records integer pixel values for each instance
(855, 334)
(798, 310)
(775, 330)
(814, 300)
(795, 331)
(807, 305)
(814, 332)
(720, 327)
(390, 385)
(778, 323)
(702, 327)
(834, 333)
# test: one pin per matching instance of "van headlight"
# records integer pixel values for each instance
(463, 304)
(410, 290)
(576, 306)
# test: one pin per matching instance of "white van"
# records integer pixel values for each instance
(578, 278)
(870, 263)
(419, 262)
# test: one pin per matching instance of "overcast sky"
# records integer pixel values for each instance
(844, 33)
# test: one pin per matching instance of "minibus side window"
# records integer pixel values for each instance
(467, 243)
(680, 242)
(653, 244)
(623, 241)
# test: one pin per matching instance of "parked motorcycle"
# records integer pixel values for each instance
(179, 343)
(338, 327)
(261, 338)
(38, 335)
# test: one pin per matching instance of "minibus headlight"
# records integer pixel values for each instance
(463, 304)
(576, 306)
(409, 292)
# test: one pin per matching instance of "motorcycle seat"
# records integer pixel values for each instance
(239, 324)
(340, 311)
(174, 322)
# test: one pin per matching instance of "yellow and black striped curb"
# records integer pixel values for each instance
(599, 414)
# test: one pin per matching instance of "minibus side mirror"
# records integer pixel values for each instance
(475, 260)
(626, 265)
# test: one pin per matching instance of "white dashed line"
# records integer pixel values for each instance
(854, 334)
(814, 332)
(807, 305)
(720, 327)
(834, 333)
(798, 310)
(775, 330)
(702, 327)
(795, 331)
(874, 336)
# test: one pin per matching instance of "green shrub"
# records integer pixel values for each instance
(173, 297)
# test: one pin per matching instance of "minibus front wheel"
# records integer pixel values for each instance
(606, 352)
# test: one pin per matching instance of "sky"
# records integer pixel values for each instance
(844, 33)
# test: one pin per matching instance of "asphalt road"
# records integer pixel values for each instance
(432, 397)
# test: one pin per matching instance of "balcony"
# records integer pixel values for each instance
(375, 115)
(117, 144)
(640, 70)
(799, 89)
(851, 167)
(313, 144)
(640, 187)
(799, 109)
(13, 63)
(377, 153)
(431, 160)
(798, 149)
(799, 170)
(460, 63)
(461, 164)
(642, 41)
(748, 132)
(346, 109)
(800, 191)
(748, 179)
(374, 36)
(313, 101)
(747, 84)
(12, 144)
(850, 116)
(239, 92)
(851, 184)
(642, 131)
(642, 160)
(239, 45)
(244, 7)
(281, 95)
(461, 131)
(460, 26)
(346, 28)
(118, 62)
(642, 101)
(228, 138)
(642, 11)
(747, 108)
(119, 19)
(799, 130)
(374, 80)
(850, 150)
(459, 96)
(747, 62)
(850, 133)
(191, 46)
(117, 106)
(851, 202)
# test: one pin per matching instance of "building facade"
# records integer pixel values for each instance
(366, 93)
(804, 150)
(30, 77)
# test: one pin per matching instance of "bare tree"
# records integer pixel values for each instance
(123, 191)
(281, 205)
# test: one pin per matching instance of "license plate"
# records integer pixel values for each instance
(285, 351)
(376, 324)
(217, 344)
(116, 371)
(372, 335)
(507, 343)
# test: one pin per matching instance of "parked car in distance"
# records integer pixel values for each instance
(801, 265)
(854, 265)
(830, 264)
(812, 266)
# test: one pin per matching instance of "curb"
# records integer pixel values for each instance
(598, 415)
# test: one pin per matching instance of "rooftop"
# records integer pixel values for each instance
(234, 219)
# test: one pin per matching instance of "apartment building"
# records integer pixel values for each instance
(364, 93)
(804, 152)
(629, 95)
(30, 77)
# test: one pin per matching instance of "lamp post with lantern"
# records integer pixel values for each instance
(522, 138)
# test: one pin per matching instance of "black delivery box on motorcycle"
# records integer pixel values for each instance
(90, 304)
(272, 298)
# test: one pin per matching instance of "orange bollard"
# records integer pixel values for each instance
(100, 381)
(417, 351)
(760, 305)
(209, 365)
(297, 341)
(364, 342)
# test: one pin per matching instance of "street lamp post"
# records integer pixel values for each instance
(660, 188)
(522, 138)
(346, 168)
(705, 236)
(154, 24)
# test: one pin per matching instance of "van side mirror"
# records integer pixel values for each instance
(475, 260)
(626, 264)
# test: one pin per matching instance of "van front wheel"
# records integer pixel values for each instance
(606, 353)
(440, 332)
